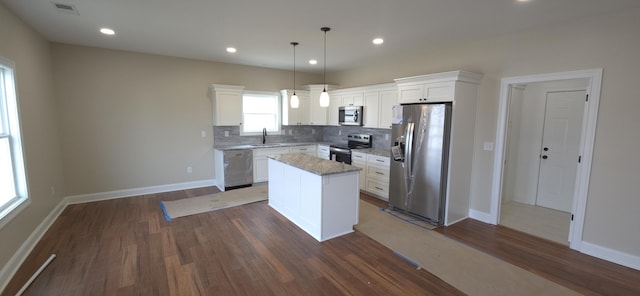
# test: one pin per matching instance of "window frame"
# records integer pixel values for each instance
(275, 95)
(9, 106)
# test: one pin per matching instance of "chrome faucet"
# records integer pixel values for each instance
(264, 135)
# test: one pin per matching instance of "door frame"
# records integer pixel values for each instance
(585, 150)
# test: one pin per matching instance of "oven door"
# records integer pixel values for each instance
(340, 155)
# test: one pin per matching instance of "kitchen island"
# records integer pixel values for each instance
(320, 196)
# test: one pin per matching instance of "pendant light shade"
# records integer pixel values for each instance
(324, 99)
(295, 102)
(324, 96)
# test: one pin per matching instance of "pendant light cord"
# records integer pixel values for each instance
(294, 66)
(324, 74)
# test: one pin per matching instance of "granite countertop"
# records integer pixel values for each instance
(378, 152)
(314, 164)
(268, 145)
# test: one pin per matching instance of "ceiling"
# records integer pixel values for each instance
(262, 30)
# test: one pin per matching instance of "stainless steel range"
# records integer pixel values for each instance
(342, 152)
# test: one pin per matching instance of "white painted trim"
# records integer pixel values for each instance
(13, 212)
(137, 191)
(586, 146)
(480, 216)
(9, 270)
(612, 255)
(455, 221)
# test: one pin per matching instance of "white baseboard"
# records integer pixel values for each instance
(137, 191)
(9, 270)
(612, 255)
(481, 216)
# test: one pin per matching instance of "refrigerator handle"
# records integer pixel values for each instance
(408, 150)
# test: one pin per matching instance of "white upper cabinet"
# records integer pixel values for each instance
(438, 87)
(378, 103)
(227, 104)
(371, 109)
(295, 116)
(352, 99)
(388, 99)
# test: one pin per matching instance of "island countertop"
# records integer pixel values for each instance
(314, 164)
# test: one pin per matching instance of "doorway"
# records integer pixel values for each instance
(521, 174)
(543, 134)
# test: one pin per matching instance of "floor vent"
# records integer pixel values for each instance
(66, 8)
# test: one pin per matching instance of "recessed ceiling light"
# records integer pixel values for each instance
(231, 49)
(378, 41)
(313, 62)
(107, 31)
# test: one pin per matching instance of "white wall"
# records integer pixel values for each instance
(610, 42)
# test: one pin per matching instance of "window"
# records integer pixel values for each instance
(260, 110)
(13, 192)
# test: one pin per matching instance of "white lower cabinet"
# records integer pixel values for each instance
(323, 151)
(324, 206)
(261, 163)
(378, 176)
(374, 176)
(306, 149)
(359, 159)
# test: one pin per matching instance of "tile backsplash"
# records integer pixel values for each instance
(302, 134)
(291, 134)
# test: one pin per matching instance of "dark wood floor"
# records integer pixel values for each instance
(579, 272)
(126, 247)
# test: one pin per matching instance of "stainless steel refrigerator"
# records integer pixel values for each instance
(420, 146)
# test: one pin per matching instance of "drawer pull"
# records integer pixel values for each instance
(379, 173)
(379, 188)
(378, 160)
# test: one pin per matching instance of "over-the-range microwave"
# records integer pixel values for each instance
(350, 115)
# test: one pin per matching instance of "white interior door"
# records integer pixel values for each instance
(559, 151)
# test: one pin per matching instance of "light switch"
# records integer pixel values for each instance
(488, 146)
(203, 134)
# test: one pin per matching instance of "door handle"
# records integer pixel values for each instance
(544, 157)
(545, 148)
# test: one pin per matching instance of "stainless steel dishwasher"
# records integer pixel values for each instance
(238, 168)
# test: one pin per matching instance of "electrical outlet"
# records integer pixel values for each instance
(313, 131)
(53, 191)
(226, 133)
(203, 134)
(290, 131)
(386, 136)
(189, 170)
(488, 146)
(339, 132)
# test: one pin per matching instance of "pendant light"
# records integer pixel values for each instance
(295, 102)
(324, 96)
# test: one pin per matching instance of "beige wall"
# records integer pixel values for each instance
(39, 120)
(610, 42)
(132, 120)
